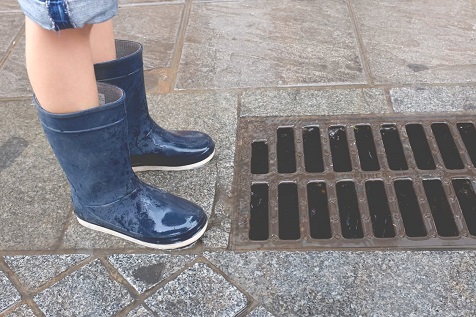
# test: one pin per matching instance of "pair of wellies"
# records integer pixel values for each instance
(99, 148)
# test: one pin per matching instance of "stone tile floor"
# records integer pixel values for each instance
(236, 59)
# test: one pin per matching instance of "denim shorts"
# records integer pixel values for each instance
(68, 14)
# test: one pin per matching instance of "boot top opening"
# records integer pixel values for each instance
(109, 93)
(126, 48)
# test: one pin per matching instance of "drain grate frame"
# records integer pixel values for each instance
(332, 195)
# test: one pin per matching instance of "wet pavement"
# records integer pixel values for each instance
(208, 64)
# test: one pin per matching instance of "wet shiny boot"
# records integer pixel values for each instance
(92, 148)
(152, 147)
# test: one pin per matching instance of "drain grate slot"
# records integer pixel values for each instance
(349, 210)
(447, 146)
(366, 148)
(259, 158)
(409, 208)
(467, 201)
(382, 223)
(311, 138)
(355, 182)
(319, 221)
(421, 149)
(286, 151)
(288, 212)
(340, 149)
(393, 147)
(259, 213)
(468, 134)
(440, 208)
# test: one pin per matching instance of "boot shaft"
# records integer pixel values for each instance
(127, 72)
(91, 147)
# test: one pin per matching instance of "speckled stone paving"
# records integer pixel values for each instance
(9, 295)
(90, 291)
(33, 271)
(208, 64)
(144, 271)
(203, 293)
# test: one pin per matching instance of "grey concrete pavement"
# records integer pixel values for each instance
(208, 64)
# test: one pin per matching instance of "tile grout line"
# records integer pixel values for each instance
(70, 270)
(53, 281)
(250, 301)
(67, 223)
(179, 43)
(9, 11)
(149, 309)
(34, 307)
(28, 302)
(10, 99)
(150, 4)
(360, 43)
(117, 277)
(25, 295)
(239, 105)
(234, 183)
(13, 279)
(142, 297)
(388, 97)
(248, 309)
(318, 87)
(99, 252)
(216, 195)
(12, 46)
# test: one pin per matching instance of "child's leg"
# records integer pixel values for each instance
(102, 42)
(92, 145)
(60, 68)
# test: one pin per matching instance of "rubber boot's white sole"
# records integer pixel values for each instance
(173, 168)
(147, 244)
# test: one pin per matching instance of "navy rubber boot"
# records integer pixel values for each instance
(151, 147)
(91, 147)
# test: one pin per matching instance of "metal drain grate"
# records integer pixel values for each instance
(356, 182)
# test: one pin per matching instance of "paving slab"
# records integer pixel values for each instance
(434, 99)
(8, 293)
(35, 194)
(87, 292)
(267, 43)
(418, 41)
(22, 311)
(144, 271)
(199, 291)
(260, 312)
(308, 102)
(140, 311)
(33, 271)
(355, 283)
(155, 27)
